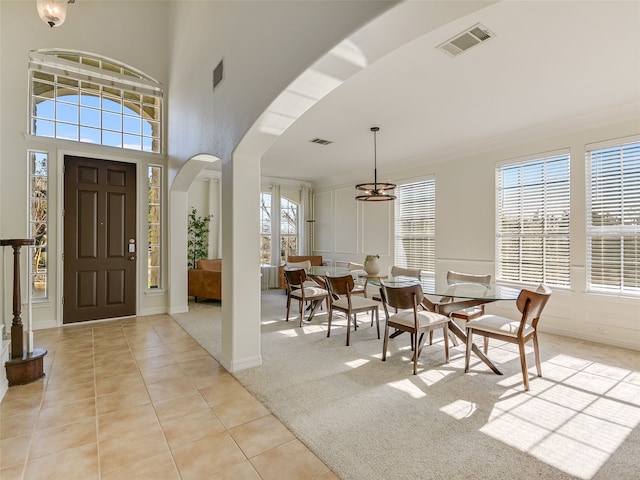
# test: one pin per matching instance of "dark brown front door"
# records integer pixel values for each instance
(100, 245)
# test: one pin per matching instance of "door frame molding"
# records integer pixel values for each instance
(61, 153)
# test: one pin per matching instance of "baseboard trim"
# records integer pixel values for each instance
(599, 340)
(175, 310)
(241, 364)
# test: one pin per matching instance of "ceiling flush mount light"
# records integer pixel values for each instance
(53, 12)
(376, 191)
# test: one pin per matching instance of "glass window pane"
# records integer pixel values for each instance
(111, 139)
(67, 113)
(111, 121)
(68, 132)
(90, 135)
(44, 108)
(132, 125)
(132, 142)
(43, 128)
(90, 117)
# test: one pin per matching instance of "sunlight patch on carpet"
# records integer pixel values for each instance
(575, 425)
(408, 387)
(460, 409)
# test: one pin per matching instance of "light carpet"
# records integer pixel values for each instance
(368, 419)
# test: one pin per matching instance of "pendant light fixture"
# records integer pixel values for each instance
(53, 12)
(376, 191)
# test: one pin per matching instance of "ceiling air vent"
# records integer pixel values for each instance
(321, 141)
(465, 40)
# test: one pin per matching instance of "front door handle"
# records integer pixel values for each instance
(132, 258)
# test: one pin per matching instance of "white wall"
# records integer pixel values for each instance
(465, 230)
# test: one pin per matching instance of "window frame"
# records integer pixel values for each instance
(284, 205)
(427, 205)
(159, 246)
(265, 213)
(92, 99)
(606, 198)
(555, 198)
(33, 249)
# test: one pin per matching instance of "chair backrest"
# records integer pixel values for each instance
(340, 285)
(531, 303)
(468, 277)
(316, 260)
(292, 265)
(401, 298)
(355, 266)
(406, 272)
(295, 277)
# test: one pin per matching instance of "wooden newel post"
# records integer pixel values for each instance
(22, 368)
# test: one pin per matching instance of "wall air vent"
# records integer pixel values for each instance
(465, 40)
(218, 74)
(321, 141)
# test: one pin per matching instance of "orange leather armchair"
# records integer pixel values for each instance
(205, 280)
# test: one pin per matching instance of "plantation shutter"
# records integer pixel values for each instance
(415, 226)
(532, 221)
(613, 218)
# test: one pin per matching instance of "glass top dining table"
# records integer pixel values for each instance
(442, 287)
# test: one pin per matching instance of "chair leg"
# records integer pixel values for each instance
(348, 329)
(301, 312)
(329, 326)
(386, 341)
(523, 364)
(467, 355)
(486, 345)
(445, 336)
(288, 306)
(377, 322)
(417, 353)
(536, 351)
(431, 337)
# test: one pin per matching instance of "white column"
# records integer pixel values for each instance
(241, 263)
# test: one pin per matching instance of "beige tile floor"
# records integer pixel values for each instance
(140, 399)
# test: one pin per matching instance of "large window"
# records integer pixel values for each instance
(532, 220)
(289, 227)
(85, 98)
(265, 228)
(415, 226)
(155, 226)
(38, 222)
(613, 218)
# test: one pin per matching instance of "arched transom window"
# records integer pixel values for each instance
(85, 98)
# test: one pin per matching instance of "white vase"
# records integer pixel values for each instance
(371, 266)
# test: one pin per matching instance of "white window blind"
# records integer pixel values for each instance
(613, 219)
(532, 221)
(415, 225)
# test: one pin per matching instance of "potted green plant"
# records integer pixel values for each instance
(197, 237)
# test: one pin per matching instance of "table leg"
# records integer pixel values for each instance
(446, 309)
(457, 331)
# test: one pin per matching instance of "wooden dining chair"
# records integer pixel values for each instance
(298, 290)
(342, 299)
(530, 303)
(411, 318)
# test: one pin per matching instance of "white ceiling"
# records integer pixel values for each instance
(553, 66)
